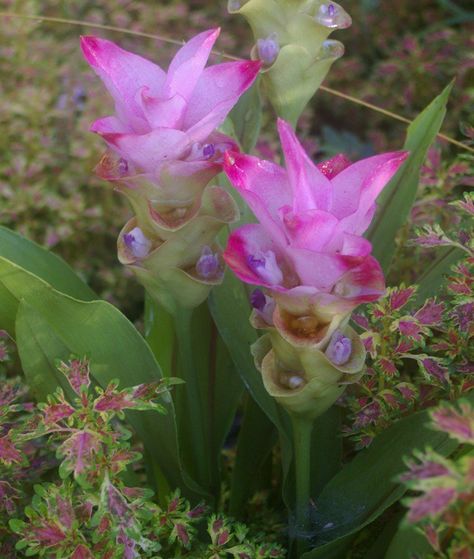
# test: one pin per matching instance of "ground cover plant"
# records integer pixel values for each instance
(235, 305)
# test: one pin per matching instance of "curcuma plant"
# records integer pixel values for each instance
(285, 376)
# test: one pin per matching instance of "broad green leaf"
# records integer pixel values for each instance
(378, 548)
(434, 278)
(209, 398)
(408, 542)
(257, 437)
(367, 486)
(230, 308)
(398, 196)
(246, 117)
(51, 326)
(43, 264)
(159, 334)
(326, 449)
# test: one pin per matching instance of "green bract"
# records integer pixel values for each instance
(298, 31)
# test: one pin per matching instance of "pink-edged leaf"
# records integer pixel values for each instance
(8, 453)
(459, 424)
(432, 504)
(79, 450)
(431, 313)
(57, 412)
(399, 297)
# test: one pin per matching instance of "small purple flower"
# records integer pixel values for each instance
(339, 349)
(79, 98)
(122, 167)
(208, 264)
(263, 304)
(268, 49)
(258, 299)
(137, 243)
(208, 151)
(264, 264)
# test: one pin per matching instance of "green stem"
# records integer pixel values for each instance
(193, 397)
(302, 429)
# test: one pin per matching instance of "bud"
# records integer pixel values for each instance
(268, 49)
(302, 377)
(179, 266)
(291, 41)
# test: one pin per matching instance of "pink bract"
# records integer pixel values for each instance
(308, 243)
(163, 117)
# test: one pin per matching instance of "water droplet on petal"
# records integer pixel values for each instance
(331, 49)
(234, 5)
(333, 16)
(292, 380)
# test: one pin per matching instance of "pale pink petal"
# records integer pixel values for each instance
(163, 113)
(216, 92)
(264, 187)
(245, 243)
(353, 245)
(363, 283)
(311, 188)
(187, 66)
(312, 229)
(149, 151)
(109, 125)
(123, 74)
(319, 269)
(357, 187)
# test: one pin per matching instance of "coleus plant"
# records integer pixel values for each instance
(311, 264)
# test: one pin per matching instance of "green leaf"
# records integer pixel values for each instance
(408, 542)
(398, 196)
(257, 437)
(434, 278)
(51, 326)
(230, 308)
(44, 264)
(367, 486)
(246, 117)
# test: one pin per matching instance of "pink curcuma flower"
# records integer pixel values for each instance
(308, 249)
(167, 120)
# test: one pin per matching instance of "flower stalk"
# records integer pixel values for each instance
(302, 430)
